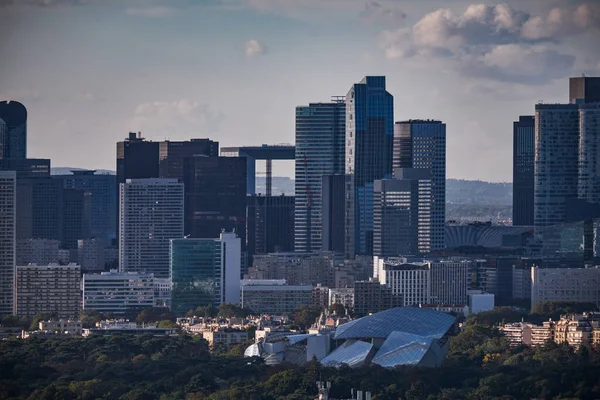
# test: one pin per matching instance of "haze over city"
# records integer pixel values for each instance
(89, 71)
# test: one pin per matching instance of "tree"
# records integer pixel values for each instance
(35, 321)
(304, 317)
(232, 311)
(337, 309)
(149, 315)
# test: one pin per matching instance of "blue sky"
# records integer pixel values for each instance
(89, 71)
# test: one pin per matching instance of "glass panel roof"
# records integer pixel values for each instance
(402, 348)
(293, 339)
(353, 353)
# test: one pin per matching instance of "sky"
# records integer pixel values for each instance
(90, 71)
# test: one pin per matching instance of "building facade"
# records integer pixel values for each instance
(151, 214)
(320, 132)
(333, 202)
(8, 240)
(584, 89)
(171, 155)
(269, 224)
(410, 282)
(274, 297)
(523, 170)
(449, 282)
(37, 251)
(565, 284)
(115, 292)
(91, 255)
(588, 185)
(48, 289)
(371, 297)
(422, 144)
(13, 130)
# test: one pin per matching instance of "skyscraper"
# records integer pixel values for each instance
(215, 196)
(320, 132)
(172, 154)
(402, 213)
(589, 153)
(13, 130)
(333, 199)
(523, 170)
(584, 90)
(422, 144)
(8, 239)
(270, 224)
(369, 142)
(151, 214)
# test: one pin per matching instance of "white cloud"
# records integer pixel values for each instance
(151, 12)
(254, 48)
(375, 12)
(182, 117)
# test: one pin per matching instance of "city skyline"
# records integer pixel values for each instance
(168, 70)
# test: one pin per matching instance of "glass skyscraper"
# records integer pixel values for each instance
(369, 139)
(523, 170)
(320, 130)
(13, 130)
(422, 144)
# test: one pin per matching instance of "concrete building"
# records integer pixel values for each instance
(333, 201)
(449, 282)
(320, 296)
(296, 268)
(205, 272)
(343, 296)
(588, 185)
(91, 255)
(422, 144)
(565, 284)
(48, 289)
(115, 292)
(402, 213)
(479, 301)
(269, 224)
(8, 240)
(369, 142)
(37, 251)
(320, 133)
(576, 330)
(13, 130)
(225, 336)
(61, 326)
(411, 282)
(584, 89)
(371, 297)
(523, 170)
(151, 214)
(26, 167)
(274, 297)
(162, 292)
(522, 333)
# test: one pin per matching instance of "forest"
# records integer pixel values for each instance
(480, 365)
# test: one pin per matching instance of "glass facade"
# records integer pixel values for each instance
(320, 130)
(523, 170)
(195, 269)
(369, 142)
(13, 130)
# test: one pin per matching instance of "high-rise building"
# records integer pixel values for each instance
(422, 144)
(48, 289)
(589, 152)
(151, 214)
(556, 162)
(320, 149)
(449, 282)
(204, 272)
(172, 154)
(333, 200)
(76, 215)
(215, 196)
(369, 142)
(13, 130)
(91, 255)
(117, 293)
(411, 282)
(270, 224)
(584, 90)
(8, 239)
(402, 213)
(37, 251)
(26, 167)
(102, 188)
(523, 170)
(371, 297)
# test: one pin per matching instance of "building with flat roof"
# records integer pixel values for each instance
(117, 292)
(13, 130)
(565, 284)
(8, 240)
(37, 251)
(523, 170)
(274, 297)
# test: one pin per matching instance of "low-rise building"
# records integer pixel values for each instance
(274, 296)
(225, 336)
(343, 296)
(479, 301)
(372, 297)
(116, 292)
(61, 326)
(320, 296)
(576, 330)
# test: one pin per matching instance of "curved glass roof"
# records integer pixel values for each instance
(413, 320)
(402, 348)
(352, 353)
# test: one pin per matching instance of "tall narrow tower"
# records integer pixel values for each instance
(13, 130)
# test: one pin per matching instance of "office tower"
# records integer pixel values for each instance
(333, 200)
(151, 214)
(102, 188)
(117, 293)
(37, 251)
(556, 162)
(172, 154)
(402, 213)
(449, 282)
(270, 224)
(13, 130)
(215, 196)
(369, 142)
(523, 170)
(274, 297)
(371, 297)
(40, 210)
(320, 149)
(91, 255)
(422, 144)
(205, 272)
(584, 90)
(411, 282)
(8, 239)
(76, 212)
(565, 285)
(26, 168)
(589, 152)
(48, 289)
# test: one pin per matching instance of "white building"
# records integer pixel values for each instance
(116, 292)
(151, 214)
(62, 326)
(565, 284)
(449, 282)
(231, 247)
(343, 296)
(479, 301)
(274, 296)
(8, 194)
(48, 289)
(162, 292)
(410, 281)
(37, 251)
(91, 254)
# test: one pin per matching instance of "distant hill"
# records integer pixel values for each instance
(460, 191)
(67, 171)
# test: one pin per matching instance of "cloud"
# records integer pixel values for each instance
(374, 13)
(182, 117)
(253, 48)
(151, 12)
(43, 3)
(494, 41)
